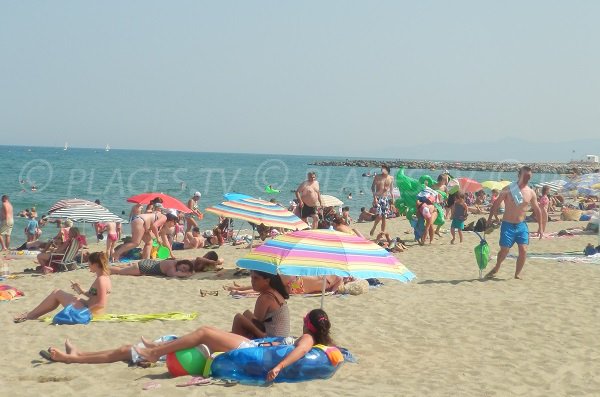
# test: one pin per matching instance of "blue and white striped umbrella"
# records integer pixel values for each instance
(583, 181)
(555, 186)
(86, 213)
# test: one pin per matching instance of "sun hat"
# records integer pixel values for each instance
(197, 194)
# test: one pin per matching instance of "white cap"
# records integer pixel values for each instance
(197, 194)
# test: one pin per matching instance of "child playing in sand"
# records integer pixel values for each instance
(459, 214)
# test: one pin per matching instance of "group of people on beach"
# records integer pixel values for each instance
(270, 318)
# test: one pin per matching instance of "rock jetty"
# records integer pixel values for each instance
(546, 168)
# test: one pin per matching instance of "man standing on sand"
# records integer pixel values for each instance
(517, 197)
(382, 192)
(6, 222)
(309, 199)
(193, 206)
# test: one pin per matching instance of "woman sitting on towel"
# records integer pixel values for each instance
(151, 267)
(96, 298)
(271, 315)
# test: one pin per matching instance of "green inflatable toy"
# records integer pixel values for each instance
(269, 189)
(409, 189)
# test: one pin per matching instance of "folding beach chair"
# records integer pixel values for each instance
(66, 261)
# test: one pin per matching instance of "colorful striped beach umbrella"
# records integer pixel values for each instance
(325, 252)
(258, 211)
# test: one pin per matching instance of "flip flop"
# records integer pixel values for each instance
(46, 354)
(151, 385)
(196, 381)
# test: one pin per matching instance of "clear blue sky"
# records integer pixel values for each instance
(351, 78)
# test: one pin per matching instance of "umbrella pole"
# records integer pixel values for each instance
(323, 292)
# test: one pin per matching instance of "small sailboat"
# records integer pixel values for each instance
(107, 148)
(66, 146)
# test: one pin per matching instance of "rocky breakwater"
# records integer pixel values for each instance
(546, 168)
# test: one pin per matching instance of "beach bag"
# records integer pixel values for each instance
(482, 254)
(570, 215)
(70, 316)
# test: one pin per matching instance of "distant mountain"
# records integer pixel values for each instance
(502, 150)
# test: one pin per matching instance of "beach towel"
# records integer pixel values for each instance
(8, 293)
(516, 193)
(256, 295)
(119, 318)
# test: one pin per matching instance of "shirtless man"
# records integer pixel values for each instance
(382, 192)
(517, 197)
(309, 199)
(6, 222)
(193, 239)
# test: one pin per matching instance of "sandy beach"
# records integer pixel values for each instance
(446, 333)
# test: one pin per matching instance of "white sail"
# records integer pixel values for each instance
(107, 148)
(66, 146)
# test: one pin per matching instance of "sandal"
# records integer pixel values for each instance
(204, 293)
(196, 381)
(46, 354)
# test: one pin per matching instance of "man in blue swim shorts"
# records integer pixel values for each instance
(517, 198)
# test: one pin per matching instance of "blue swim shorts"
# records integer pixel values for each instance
(511, 233)
(457, 224)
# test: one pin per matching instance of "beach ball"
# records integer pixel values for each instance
(186, 362)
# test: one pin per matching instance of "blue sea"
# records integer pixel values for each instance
(113, 176)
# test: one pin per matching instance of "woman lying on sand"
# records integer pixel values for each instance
(210, 261)
(271, 316)
(294, 285)
(316, 330)
(97, 294)
(151, 267)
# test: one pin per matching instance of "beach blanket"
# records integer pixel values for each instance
(119, 318)
(573, 257)
(8, 293)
